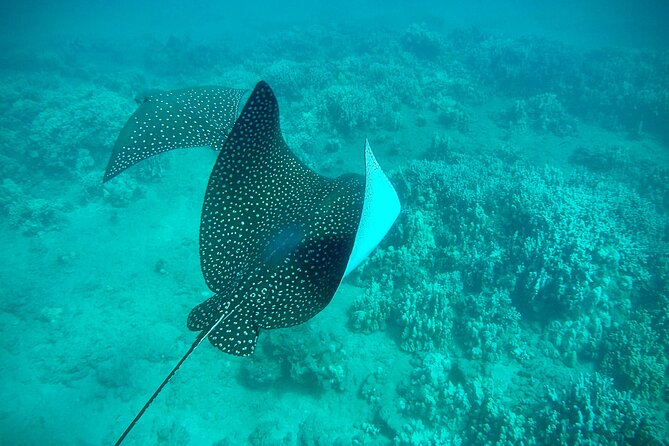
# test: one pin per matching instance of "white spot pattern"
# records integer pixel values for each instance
(275, 237)
(185, 118)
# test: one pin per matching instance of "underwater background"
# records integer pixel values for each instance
(522, 296)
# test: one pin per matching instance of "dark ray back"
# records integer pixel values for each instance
(192, 117)
(275, 236)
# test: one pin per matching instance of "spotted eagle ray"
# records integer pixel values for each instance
(276, 238)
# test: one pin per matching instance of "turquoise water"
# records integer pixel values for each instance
(522, 296)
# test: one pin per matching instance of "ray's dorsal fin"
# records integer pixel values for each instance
(167, 120)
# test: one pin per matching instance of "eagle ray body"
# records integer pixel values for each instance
(276, 238)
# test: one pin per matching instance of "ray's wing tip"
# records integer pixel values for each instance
(109, 174)
(115, 165)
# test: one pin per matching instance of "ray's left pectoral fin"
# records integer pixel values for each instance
(167, 120)
(380, 209)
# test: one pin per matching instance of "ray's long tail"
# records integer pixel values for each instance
(200, 337)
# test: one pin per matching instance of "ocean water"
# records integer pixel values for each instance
(521, 298)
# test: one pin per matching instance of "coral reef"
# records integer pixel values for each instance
(635, 359)
(293, 79)
(421, 314)
(424, 316)
(122, 191)
(487, 325)
(514, 240)
(449, 113)
(371, 312)
(27, 214)
(495, 419)
(429, 394)
(303, 357)
(415, 433)
(591, 411)
(476, 412)
(543, 113)
(649, 179)
(267, 434)
(614, 88)
(422, 42)
(348, 108)
(601, 159)
(261, 371)
(181, 56)
(442, 403)
(312, 433)
(71, 128)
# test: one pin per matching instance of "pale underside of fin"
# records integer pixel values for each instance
(380, 209)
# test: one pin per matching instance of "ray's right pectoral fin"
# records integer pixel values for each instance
(230, 326)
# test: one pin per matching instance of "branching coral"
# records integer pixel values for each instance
(370, 312)
(348, 108)
(487, 325)
(440, 402)
(430, 395)
(635, 359)
(543, 113)
(304, 357)
(422, 42)
(591, 411)
(29, 215)
(564, 250)
(424, 315)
